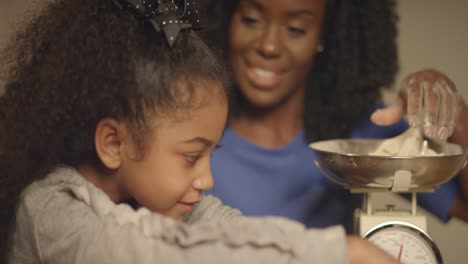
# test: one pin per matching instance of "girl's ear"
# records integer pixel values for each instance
(109, 140)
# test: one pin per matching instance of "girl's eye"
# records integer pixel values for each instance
(193, 157)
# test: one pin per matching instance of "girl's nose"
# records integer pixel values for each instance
(269, 42)
(204, 182)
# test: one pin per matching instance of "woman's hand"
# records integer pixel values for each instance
(430, 101)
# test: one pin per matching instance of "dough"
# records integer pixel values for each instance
(409, 144)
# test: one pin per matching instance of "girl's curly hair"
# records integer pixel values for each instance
(77, 62)
(360, 57)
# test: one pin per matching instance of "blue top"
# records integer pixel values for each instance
(286, 182)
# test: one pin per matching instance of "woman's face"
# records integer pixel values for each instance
(272, 45)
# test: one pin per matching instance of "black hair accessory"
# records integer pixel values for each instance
(168, 16)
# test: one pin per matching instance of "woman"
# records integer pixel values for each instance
(312, 70)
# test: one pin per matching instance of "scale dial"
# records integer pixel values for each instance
(407, 242)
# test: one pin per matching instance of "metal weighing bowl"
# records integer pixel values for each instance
(347, 162)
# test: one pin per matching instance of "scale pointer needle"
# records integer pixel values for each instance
(401, 251)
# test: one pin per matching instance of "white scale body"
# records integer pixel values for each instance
(402, 233)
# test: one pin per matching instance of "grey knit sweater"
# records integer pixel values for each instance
(65, 219)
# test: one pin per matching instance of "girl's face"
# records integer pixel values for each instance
(272, 46)
(176, 169)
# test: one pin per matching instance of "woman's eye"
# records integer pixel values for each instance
(294, 31)
(249, 21)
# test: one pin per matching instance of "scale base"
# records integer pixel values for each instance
(365, 222)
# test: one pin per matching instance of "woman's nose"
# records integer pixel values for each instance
(269, 42)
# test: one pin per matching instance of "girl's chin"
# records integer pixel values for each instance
(178, 213)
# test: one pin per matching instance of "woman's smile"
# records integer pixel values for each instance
(264, 77)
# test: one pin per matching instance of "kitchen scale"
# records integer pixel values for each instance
(402, 233)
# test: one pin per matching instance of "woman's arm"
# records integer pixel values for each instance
(460, 136)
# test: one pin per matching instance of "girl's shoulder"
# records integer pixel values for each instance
(46, 209)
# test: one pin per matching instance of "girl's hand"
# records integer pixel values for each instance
(361, 251)
(430, 101)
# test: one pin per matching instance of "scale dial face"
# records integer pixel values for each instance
(406, 242)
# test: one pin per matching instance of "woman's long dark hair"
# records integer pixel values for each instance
(360, 57)
(77, 62)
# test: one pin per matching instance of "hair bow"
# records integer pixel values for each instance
(168, 16)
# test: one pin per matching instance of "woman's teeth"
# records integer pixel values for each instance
(264, 73)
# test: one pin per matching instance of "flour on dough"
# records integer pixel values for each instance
(409, 144)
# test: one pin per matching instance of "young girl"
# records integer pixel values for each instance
(109, 102)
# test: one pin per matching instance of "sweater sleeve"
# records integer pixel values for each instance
(70, 231)
(211, 210)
